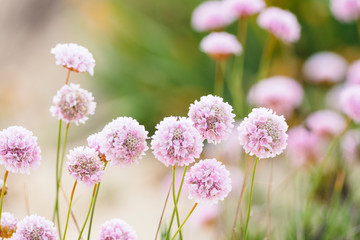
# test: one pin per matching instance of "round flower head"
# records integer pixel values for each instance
(220, 45)
(8, 225)
(281, 23)
(332, 97)
(350, 146)
(212, 117)
(263, 133)
(244, 8)
(117, 229)
(326, 123)
(74, 57)
(211, 15)
(176, 141)
(19, 150)
(85, 165)
(208, 181)
(72, 103)
(325, 67)
(350, 102)
(353, 74)
(123, 141)
(281, 94)
(35, 227)
(94, 142)
(345, 10)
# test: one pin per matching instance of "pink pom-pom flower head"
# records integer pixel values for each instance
(73, 104)
(345, 10)
(123, 141)
(326, 123)
(35, 227)
(350, 102)
(212, 117)
(220, 45)
(117, 229)
(244, 8)
(280, 23)
(74, 57)
(263, 133)
(8, 225)
(19, 151)
(208, 181)
(176, 141)
(353, 73)
(350, 146)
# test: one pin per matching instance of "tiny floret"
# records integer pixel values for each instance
(176, 141)
(208, 181)
(263, 133)
(8, 225)
(74, 57)
(345, 10)
(117, 229)
(73, 104)
(350, 102)
(212, 117)
(19, 151)
(244, 8)
(35, 227)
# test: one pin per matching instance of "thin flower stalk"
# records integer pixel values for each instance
(266, 57)
(191, 211)
(68, 214)
(163, 211)
(3, 193)
(88, 214)
(219, 78)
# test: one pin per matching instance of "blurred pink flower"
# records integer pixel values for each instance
(35, 227)
(207, 215)
(350, 146)
(220, 45)
(345, 10)
(332, 97)
(280, 93)
(94, 142)
(281, 23)
(244, 8)
(326, 123)
(350, 102)
(211, 15)
(325, 67)
(117, 229)
(353, 74)
(8, 225)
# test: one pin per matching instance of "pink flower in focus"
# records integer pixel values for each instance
(281, 23)
(244, 8)
(94, 142)
(353, 74)
(325, 67)
(211, 15)
(345, 10)
(8, 225)
(176, 141)
(350, 146)
(281, 94)
(220, 45)
(208, 181)
(326, 123)
(72, 103)
(350, 102)
(74, 57)
(117, 229)
(19, 150)
(35, 227)
(263, 133)
(212, 117)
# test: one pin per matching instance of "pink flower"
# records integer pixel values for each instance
(8, 225)
(73, 103)
(176, 141)
(94, 142)
(74, 57)
(208, 181)
(353, 74)
(281, 94)
(35, 227)
(19, 150)
(220, 45)
(326, 123)
(281, 23)
(211, 15)
(350, 102)
(263, 133)
(350, 146)
(244, 8)
(332, 97)
(117, 229)
(345, 10)
(123, 141)
(325, 67)
(212, 117)
(84, 165)
(207, 215)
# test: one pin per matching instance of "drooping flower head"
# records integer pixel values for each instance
(350, 102)
(117, 229)
(176, 141)
(211, 15)
(123, 141)
(74, 57)
(73, 104)
(19, 150)
(220, 45)
(350, 146)
(353, 74)
(35, 227)
(263, 133)
(212, 117)
(325, 67)
(8, 225)
(281, 23)
(326, 123)
(85, 165)
(281, 94)
(208, 181)
(244, 8)
(345, 10)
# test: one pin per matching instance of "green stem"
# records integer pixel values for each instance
(68, 215)
(358, 27)
(175, 201)
(3, 193)
(250, 199)
(219, 78)
(88, 214)
(191, 211)
(63, 152)
(266, 57)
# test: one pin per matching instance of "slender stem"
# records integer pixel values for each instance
(67, 76)
(63, 152)
(68, 214)
(163, 211)
(191, 211)
(269, 201)
(250, 199)
(175, 201)
(266, 57)
(3, 193)
(219, 78)
(88, 214)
